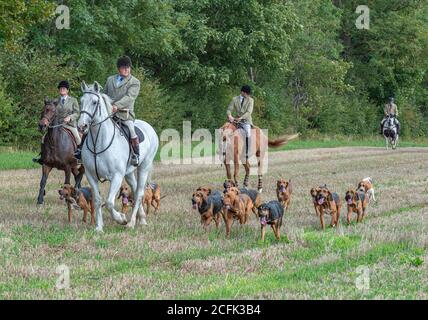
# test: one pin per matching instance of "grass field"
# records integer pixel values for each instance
(173, 258)
(11, 158)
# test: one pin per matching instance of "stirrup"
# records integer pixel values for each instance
(134, 160)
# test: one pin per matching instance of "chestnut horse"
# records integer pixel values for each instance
(57, 150)
(232, 142)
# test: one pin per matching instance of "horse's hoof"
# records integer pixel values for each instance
(143, 222)
(130, 225)
(99, 230)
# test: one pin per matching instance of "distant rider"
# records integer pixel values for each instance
(243, 106)
(390, 109)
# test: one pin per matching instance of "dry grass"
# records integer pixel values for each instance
(174, 258)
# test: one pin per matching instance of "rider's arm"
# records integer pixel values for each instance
(130, 97)
(247, 114)
(76, 111)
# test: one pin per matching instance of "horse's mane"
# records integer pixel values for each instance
(108, 102)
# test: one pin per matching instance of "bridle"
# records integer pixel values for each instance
(49, 120)
(92, 124)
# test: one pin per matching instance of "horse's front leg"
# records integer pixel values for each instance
(78, 173)
(260, 165)
(67, 175)
(143, 174)
(114, 189)
(247, 173)
(132, 182)
(97, 202)
(45, 174)
(228, 173)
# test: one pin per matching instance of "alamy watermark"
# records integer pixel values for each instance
(362, 281)
(363, 21)
(63, 20)
(63, 280)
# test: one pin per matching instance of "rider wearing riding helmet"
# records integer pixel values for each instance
(123, 88)
(67, 112)
(243, 106)
(390, 109)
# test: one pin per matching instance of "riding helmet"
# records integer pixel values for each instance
(124, 61)
(246, 88)
(64, 84)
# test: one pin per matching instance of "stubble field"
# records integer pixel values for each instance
(385, 257)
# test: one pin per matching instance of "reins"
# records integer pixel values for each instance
(95, 140)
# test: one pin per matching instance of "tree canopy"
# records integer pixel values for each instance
(311, 68)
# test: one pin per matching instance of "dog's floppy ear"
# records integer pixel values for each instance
(205, 196)
(237, 192)
(290, 186)
(330, 196)
(73, 191)
(209, 191)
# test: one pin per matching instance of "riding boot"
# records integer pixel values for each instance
(78, 152)
(246, 147)
(381, 129)
(136, 151)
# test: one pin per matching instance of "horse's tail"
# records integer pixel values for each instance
(282, 140)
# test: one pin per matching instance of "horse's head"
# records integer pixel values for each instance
(91, 106)
(227, 130)
(390, 121)
(48, 114)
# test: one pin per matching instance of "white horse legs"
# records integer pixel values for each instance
(143, 173)
(114, 188)
(97, 202)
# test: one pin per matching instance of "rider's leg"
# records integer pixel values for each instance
(398, 127)
(247, 128)
(75, 133)
(134, 142)
(78, 153)
(381, 125)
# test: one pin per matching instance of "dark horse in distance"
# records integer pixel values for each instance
(57, 150)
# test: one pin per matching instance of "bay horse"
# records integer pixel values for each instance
(57, 150)
(232, 142)
(106, 155)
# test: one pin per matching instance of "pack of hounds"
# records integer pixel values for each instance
(237, 204)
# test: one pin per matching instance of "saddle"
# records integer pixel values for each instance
(125, 131)
(72, 137)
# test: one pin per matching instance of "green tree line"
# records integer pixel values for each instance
(312, 70)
